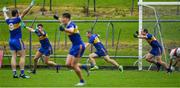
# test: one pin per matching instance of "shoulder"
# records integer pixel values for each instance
(149, 35)
(71, 25)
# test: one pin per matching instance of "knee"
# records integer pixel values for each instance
(35, 59)
(69, 65)
(90, 56)
(23, 56)
(147, 58)
(46, 62)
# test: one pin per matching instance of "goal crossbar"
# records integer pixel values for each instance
(158, 3)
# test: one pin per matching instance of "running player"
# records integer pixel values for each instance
(15, 42)
(78, 47)
(174, 56)
(100, 52)
(46, 48)
(156, 51)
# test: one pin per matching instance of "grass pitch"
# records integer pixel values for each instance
(101, 78)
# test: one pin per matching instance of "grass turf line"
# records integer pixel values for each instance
(101, 78)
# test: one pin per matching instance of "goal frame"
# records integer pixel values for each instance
(141, 4)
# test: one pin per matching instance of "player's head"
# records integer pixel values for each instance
(14, 13)
(144, 31)
(88, 34)
(40, 27)
(66, 17)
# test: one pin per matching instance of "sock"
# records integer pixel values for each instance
(84, 66)
(157, 63)
(14, 72)
(22, 71)
(92, 65)
(81, 81)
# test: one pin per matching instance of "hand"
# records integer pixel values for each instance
(5, 9)
(56, 17)
(32, 3)
(136, 34)
(61, 28)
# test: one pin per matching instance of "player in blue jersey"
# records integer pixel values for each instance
(100, 52)
(15, 41)
(154, 56)
(46, 48)
(77, 48)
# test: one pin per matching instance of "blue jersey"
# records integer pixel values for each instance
(152, 40)
(14, 27)
(43, 39)
(97, 43)
(74, 37)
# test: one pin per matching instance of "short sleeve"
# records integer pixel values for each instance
(149, 36)
(70, 27)
(91, 40)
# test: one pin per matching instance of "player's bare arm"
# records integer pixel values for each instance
(30, 29)
(27, 9)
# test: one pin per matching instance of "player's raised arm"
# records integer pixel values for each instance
(56, 17)
(5, 13)
(27, 9)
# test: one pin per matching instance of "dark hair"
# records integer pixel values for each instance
(89, 32)
(14, 12)
(39, 25)
(145, 30)
(67, 15)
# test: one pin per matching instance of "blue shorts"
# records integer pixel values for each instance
(46, 51)
(156, 51)
(102, 52)
(77, 50)
(16, 44)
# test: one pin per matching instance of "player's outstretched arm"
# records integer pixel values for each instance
(27, 9)
(5, 13)
(30, 29)
(142, 36)
(137, 35)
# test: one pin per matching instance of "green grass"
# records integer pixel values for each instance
(101, 78)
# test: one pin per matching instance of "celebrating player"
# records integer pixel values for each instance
(15, 42)
(100, 52)
(78, 47)
(174, 55)
(46, 48)
(156, 51)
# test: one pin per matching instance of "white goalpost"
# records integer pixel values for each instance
(149, 5)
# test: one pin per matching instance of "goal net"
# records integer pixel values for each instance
(162, 19)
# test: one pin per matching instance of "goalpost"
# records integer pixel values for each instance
(149, 5)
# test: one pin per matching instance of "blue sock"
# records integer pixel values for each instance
(84, 67)
(14, 72)
(22, 71)
(82, 81)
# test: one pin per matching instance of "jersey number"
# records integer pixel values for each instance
(11, 26)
